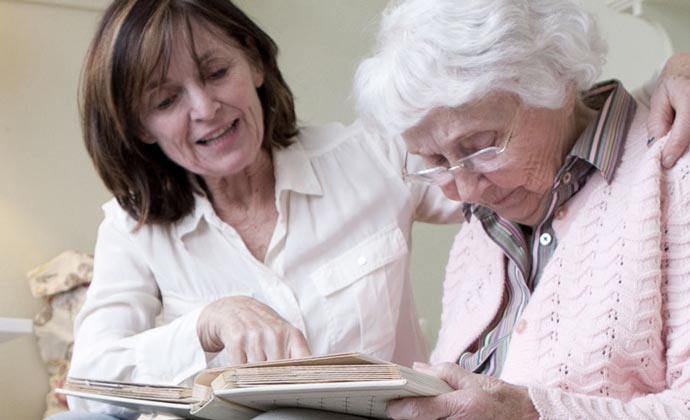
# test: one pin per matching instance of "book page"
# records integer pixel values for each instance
(175, 394)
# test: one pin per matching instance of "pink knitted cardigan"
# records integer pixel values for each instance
(606, 334)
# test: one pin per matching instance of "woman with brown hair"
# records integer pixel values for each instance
(234, 236)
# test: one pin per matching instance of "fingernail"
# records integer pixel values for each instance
(650, 140)
(668, 162)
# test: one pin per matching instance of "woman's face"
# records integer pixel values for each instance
(207, 118)
(517, 190)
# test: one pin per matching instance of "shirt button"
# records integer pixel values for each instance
(362, 260)
(567, 177)
(521, 326)
(545, 239)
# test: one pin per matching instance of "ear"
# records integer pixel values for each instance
(251, 54)
(257, 76)
(145, 137)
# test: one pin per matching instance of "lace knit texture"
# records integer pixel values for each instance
(606, 334)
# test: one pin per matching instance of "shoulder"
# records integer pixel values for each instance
(317, 139)
(116, 217)
(646, 161)
(117, 221)
(354, 139)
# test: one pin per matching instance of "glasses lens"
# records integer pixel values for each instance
(485, 160)
(436, 176)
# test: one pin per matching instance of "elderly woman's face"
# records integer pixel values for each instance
(207, 118)
(519, 188)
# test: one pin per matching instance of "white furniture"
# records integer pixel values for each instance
(14, 327)
(670, 17)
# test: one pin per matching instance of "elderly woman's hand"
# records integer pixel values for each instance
(249, 331)
(670, 108)
(477, 397)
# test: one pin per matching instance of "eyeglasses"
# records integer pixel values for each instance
(483, 160)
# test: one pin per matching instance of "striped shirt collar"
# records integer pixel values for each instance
(600, 143)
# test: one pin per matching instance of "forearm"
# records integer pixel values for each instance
(167, 354)
(555, 404)
(118, 332)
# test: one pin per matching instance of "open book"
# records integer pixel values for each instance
(347, 383)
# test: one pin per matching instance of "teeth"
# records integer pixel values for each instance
(218, 134)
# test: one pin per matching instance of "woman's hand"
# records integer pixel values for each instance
(670, 108)
(249, 331)
(477, 397)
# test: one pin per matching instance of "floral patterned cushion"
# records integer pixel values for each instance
(61, 283)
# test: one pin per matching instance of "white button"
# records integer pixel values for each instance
(545, 239)
(567, 178)
(362, 260)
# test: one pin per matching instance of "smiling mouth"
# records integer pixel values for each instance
(217, 137)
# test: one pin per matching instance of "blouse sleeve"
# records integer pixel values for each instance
(117, 336)
(428, 201)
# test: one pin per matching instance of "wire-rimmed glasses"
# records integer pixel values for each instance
(481, 161)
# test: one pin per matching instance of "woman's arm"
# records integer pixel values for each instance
(429, 203)
(119, 335)
(116, 337)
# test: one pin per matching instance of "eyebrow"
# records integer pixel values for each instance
(155, 84)
(205, 56)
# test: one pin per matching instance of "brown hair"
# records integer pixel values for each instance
(134, 38)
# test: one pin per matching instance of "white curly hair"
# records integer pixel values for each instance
(445, 53)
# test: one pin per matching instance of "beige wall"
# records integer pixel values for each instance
(50, 197)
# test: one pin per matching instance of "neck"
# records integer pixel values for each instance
(254, 186)
(577, 122)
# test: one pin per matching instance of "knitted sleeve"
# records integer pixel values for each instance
(674, 402)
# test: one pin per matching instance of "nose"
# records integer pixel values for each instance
(204, 105)
(469, 186)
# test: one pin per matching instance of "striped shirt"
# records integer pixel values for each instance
(529, 250)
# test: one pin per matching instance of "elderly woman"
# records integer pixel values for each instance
(566, 295)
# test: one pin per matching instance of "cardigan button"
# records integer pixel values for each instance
(521, 326)
(560, 213)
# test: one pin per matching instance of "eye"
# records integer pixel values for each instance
(217, 74)
(433, 161)
(165, 103)
(477, 142)
(483, 140)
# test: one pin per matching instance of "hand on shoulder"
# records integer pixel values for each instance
(670, 108)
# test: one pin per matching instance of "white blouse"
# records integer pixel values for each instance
(337, 266)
